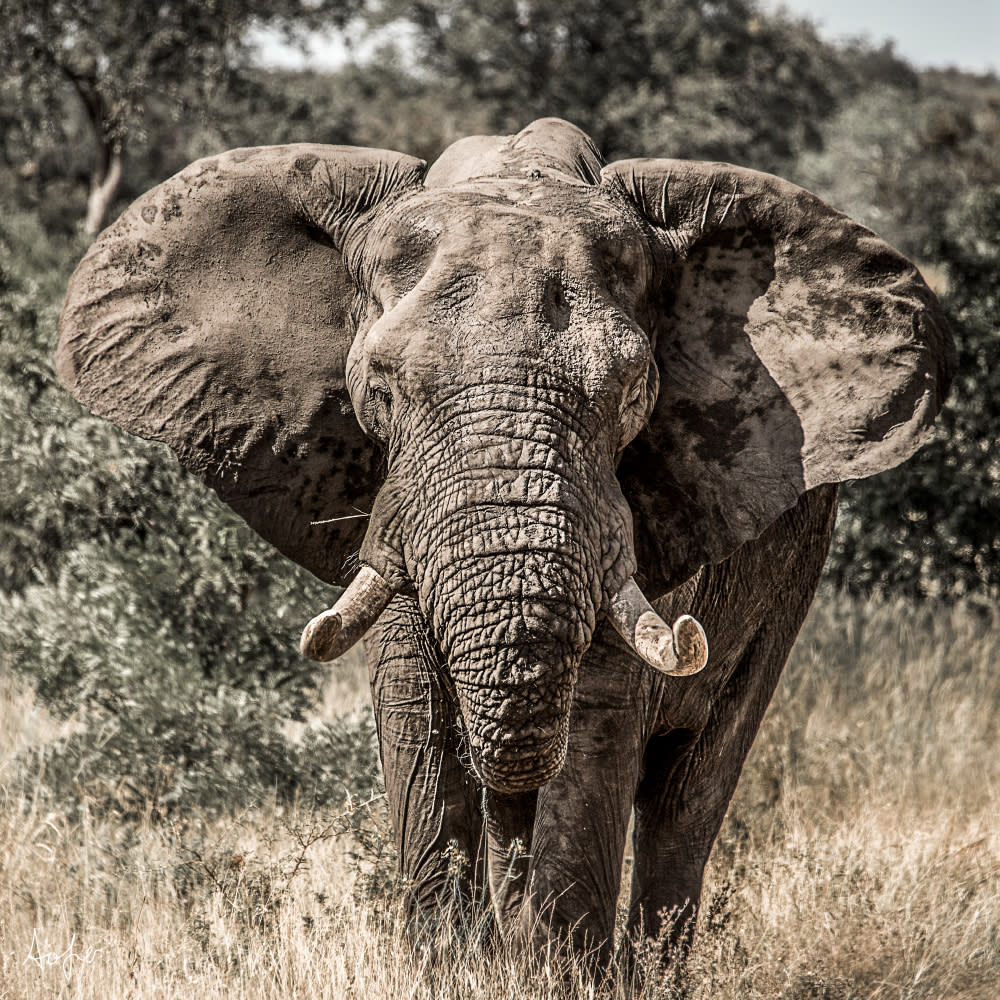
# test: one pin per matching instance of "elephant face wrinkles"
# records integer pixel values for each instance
(467, 286)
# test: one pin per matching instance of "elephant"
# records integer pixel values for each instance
(596, 415)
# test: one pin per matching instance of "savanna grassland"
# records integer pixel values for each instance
(860, 857)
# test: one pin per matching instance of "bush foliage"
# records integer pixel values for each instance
(141, 608)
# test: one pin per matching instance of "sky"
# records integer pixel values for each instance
(962, 33)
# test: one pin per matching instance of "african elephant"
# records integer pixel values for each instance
(579, 402)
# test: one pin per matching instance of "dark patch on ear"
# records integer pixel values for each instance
(134, 260)
(699, 465)
(305, 164)
(874, 268)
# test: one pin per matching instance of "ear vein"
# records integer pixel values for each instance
(729, 204)
(707, 205)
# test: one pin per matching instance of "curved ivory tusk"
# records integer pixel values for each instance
(332, 633)
(677, 651)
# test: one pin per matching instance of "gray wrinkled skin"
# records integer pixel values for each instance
(542, 376)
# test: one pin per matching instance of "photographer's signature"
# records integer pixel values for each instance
(67, 959)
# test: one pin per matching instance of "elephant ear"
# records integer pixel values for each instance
(214, 315)
(794, 348)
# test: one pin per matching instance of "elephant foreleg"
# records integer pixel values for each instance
(434, 803)
(688, 781)
(581, 825)
(510, 820)
(690, 774)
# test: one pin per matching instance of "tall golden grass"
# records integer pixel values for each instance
(860, 859)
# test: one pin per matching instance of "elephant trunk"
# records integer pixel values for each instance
(515, 535)
(512, 594)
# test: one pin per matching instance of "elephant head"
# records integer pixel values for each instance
(548, 381)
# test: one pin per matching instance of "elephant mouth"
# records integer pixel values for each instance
(678, 650)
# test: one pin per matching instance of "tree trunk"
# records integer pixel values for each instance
(103, 188)
(107, 176)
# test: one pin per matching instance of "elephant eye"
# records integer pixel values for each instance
(623, 266)
(637, 404)
(400, 264)
(379, 410)
(634, 394)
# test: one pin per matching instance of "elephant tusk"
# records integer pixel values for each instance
(678, 651)
(332, 633)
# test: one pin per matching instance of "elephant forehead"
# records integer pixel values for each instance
(469, 276)
(511, 222)
(499, 341)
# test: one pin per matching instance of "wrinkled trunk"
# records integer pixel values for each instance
(511, 543)
(514, 619)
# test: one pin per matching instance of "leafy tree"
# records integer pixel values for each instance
(117, 56)
(905, 156)
(700, 78)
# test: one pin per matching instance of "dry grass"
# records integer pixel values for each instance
(861, 859)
